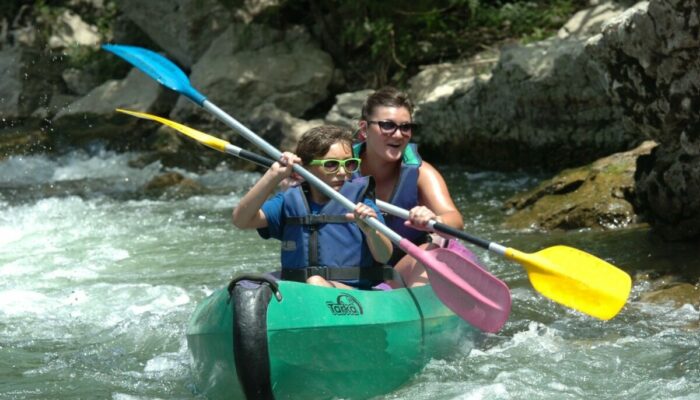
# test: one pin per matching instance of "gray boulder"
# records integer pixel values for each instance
(93, 119)
(278, 127)
(11, 84)
(28, 83)
(544, 105)
(70, 30)
(651, 56)
(183, 28)
(347, 108)
(249, 65)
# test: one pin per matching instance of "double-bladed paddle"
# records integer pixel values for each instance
(472, 293)
(569, 276)
(564, 274)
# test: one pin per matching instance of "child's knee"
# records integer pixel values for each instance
(317, 280)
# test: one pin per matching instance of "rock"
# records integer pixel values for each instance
(78, 81)
(667, 186)
(173, 185)
(650, 54)
(174, 150)
(28, 93)
(545, 105)
(588, 22)
(279, 127)
(595, 196)
(249, 9)
(678, 294)
(58, 103)
(24, 140)
(250, 65)
(440, 81)
(347, 108)
(28, 78)
(71, 30)
(183, 28)
(11, 83)
(93, 118)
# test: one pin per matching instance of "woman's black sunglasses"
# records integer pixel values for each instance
(389, 127)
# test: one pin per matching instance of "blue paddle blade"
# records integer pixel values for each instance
(157, 67)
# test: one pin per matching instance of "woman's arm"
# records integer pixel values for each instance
(435, 198)
(247, 215)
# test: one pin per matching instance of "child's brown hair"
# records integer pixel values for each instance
(316, 142)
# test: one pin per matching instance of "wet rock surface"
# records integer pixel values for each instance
(599, 195)
(650, 53)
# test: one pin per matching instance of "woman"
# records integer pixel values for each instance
(402, 178)
(320, 243)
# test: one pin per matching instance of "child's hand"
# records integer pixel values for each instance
(361, 212)
(285, 166)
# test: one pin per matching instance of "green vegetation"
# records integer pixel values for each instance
(43, 14)
(380, 42)
(373, 42)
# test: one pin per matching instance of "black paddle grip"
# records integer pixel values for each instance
(439, 226)
(256, 158)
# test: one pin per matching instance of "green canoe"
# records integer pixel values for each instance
(263, 338)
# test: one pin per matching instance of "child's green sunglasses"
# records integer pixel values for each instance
(331, 166)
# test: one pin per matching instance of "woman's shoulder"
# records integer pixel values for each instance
(427, 169)
(429, 178)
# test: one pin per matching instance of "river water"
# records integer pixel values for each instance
(97, 282)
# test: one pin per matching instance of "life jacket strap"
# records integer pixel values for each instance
(316, 220)
(378, 273)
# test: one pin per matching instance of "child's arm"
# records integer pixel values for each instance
(247, 215)
(379, 245)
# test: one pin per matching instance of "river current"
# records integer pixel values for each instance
(97, 282)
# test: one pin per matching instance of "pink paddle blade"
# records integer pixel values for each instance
(457, 247)
(465, 287)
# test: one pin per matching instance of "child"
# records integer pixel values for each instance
(321, 244)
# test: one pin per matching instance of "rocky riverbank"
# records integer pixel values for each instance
(612, 78)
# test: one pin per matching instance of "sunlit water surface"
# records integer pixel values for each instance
(97, 282)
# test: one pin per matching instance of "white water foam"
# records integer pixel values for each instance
(77, 165)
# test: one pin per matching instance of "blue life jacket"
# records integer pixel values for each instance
(319, 244)
(405, 194)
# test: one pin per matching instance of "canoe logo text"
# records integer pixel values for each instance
(345, 305)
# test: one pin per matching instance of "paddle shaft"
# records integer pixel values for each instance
(308, 176)
(248, 156)
(388, 207)
(446, 229)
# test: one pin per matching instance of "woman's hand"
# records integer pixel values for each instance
(419, 217)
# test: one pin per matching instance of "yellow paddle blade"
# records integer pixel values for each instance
(201, 137)
(576, 279)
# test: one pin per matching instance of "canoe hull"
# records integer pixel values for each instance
(325, 342)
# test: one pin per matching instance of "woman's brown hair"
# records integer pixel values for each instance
(387, 96)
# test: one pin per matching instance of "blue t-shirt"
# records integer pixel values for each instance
(273, 207)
